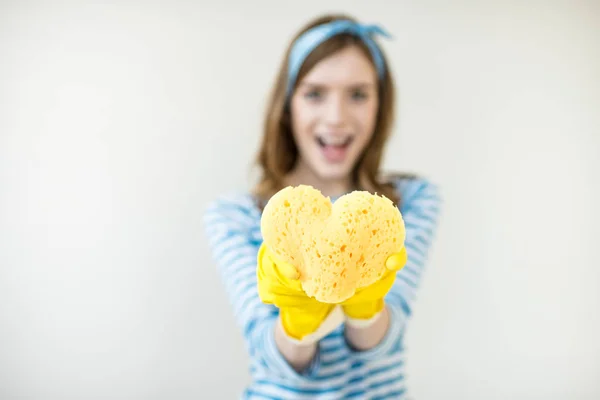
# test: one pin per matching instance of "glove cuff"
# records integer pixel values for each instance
(363, 323)
(329, 324)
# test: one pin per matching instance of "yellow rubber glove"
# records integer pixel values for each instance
(364, 307)
(303, 318)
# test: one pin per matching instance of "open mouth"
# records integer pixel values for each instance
(334, 148)
(338, 141)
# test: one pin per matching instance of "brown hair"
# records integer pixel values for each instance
(278, 152)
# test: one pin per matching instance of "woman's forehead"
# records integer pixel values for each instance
(347, 67)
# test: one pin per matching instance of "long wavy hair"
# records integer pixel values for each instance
(278, 153)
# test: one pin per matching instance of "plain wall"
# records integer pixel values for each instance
(119, 123)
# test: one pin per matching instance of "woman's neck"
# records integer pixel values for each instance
(328, 187)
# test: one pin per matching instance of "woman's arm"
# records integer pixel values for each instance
(231, 229)
(368, 337)
(299, 356)
(420, 211)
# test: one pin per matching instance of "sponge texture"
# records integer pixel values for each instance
(337, 248)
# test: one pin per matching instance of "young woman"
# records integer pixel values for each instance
(327, 122)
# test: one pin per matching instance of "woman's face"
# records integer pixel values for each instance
(334, 111)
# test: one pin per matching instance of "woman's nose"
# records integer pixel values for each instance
(336, 110)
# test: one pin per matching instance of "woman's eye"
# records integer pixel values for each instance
(314, 95)
(359, 95)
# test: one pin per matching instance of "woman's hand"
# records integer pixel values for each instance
(303, 319)
(363, 308)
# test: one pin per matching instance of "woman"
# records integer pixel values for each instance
(327, 123)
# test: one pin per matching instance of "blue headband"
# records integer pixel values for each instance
(309, 40)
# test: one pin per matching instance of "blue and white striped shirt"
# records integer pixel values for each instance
(232, 225)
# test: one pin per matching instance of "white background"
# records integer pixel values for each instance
(119, 123)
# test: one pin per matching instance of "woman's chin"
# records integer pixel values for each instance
(333, 173)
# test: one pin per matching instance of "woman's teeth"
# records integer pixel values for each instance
(334, 141)
(335, 149)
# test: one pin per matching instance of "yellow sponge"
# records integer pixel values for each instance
(337, 248)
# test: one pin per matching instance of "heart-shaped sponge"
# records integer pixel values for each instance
(337, 248)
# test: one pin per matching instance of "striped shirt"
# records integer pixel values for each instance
(232, 225)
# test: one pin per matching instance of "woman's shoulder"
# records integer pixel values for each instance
(239, 208)
(413, 188)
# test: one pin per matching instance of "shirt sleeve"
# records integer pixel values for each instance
(420, 207)
(231, 225)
